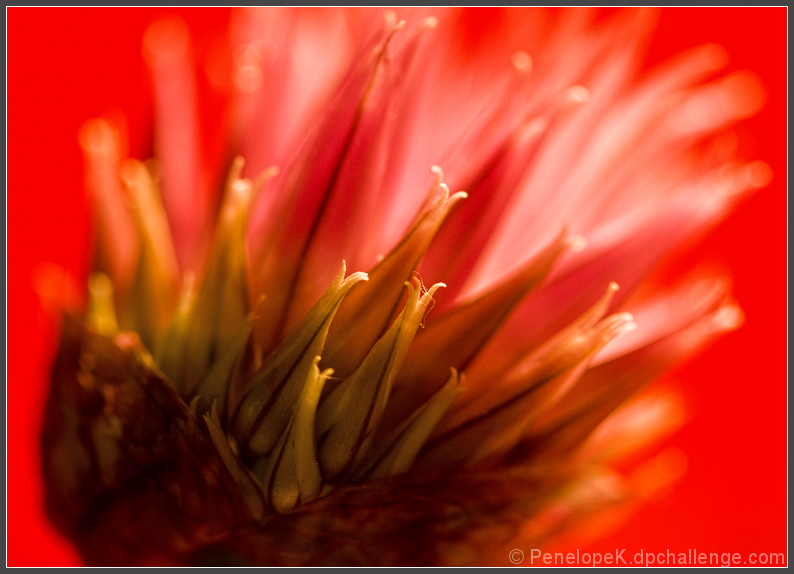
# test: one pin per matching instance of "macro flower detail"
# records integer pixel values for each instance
(343, 360)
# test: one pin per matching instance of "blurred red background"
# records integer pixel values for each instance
(67, 65)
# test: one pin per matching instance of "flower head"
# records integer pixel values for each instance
(305, 360)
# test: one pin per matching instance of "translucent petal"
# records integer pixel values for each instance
(366, 312)
(117, 240)
(349, 417)
(101, 310)
(213, 390)
(293, 476)
(307, 187)
(222, 303)
(455, 337)
(270, 397)
(153, 295)
(169, 54)
(397, 451)
(248, 484)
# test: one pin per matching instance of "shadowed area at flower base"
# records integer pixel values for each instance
(139, 482)
(465, 519)
(133, 478)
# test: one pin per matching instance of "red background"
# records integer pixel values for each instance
(67, 65)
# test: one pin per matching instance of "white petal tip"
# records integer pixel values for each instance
(577, 243)
(166, 42)
(430, 22)
(757, 174)
(578, 94)
(390, 18)
(522, 62)
(728, 318)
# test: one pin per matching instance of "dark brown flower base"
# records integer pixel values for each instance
(132, 478)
